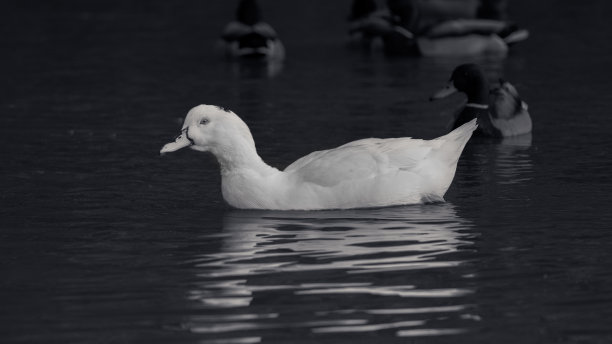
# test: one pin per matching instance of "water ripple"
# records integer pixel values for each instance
(356, 242)
(368, 270)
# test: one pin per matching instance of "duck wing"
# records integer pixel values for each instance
(362, 159)
(509, 114)
(462, 27)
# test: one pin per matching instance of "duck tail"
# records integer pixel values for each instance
(454, 142)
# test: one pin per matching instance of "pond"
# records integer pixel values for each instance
(102, 240)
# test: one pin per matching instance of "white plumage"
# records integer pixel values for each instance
(365, 173)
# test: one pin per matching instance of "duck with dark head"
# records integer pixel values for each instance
(248, 36)
(409, 28)
(500, 112)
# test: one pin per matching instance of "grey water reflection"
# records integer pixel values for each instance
(336, 272)
(255, 69)
(513, 160)
(505, 163)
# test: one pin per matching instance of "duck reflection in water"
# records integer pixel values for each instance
(435, 27)
(513, 164)
(272, 263)
(488, 166)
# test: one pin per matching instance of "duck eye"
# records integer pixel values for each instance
(204, 121)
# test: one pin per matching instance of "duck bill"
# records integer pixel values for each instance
(181, 141)
(444, 92)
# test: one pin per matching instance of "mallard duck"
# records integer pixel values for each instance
(250, 37)
(366, 23)
(470, 37)
(500, 112)
(365, 173)
(403, 32)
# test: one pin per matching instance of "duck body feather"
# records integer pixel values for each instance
(464, 45)
(365, 173)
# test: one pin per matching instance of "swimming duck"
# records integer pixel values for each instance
(470, 37)
(366, 23)
(249, 36)
(405, 32)
(365, 173)
(500, 112)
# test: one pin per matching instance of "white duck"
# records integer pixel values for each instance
(365, 173)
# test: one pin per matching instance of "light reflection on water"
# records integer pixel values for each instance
(335, 255)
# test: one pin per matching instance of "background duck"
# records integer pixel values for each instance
(391, 26)
(366, 24)
(250, 37)
(470, 37)
(500, 112)
(364, 173)
(405, 30)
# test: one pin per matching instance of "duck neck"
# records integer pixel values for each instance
(239, 156)
(479, 94)
(477, 104)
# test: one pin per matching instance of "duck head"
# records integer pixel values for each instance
(469, 79)
(209, 128)
(362, 8)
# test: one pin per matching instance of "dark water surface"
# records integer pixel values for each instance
(103, 241)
